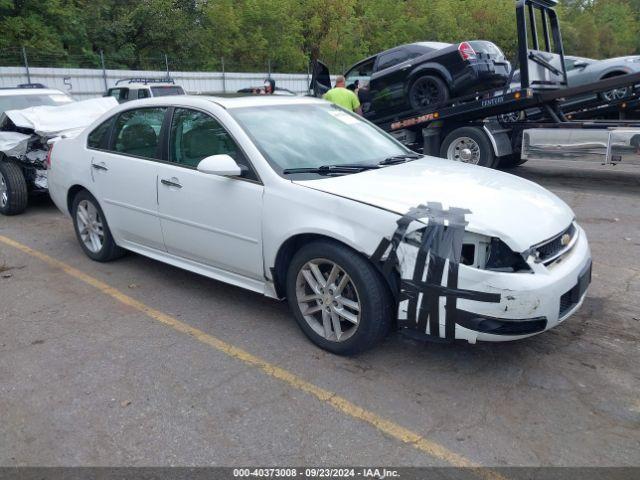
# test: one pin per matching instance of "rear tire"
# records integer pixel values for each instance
(427, 91)
(92, 230)
(616, 93)
(468, 145)
(355, 282)
(14, 194)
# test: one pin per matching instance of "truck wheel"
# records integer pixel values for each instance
(338, 298)
(468, 145)
(427, 91)
(14, 194)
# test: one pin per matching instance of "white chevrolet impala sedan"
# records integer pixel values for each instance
(296, 198)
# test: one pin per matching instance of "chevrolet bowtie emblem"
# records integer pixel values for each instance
(565, 240)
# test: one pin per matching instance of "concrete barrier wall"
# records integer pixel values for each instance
(83, 83)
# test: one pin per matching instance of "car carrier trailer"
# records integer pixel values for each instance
(497, 128)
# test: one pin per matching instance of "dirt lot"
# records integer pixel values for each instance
(139, 363)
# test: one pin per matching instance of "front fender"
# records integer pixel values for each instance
(294, 210)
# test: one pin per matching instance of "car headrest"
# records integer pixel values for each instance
(139, 135)
(201, 142)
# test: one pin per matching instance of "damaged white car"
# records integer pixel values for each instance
(31, 118)
(297, 198)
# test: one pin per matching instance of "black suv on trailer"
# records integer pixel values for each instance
(420, 75)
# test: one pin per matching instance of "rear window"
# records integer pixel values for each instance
(166, 91)
(99, 137)
(21, 101)
(482, 46)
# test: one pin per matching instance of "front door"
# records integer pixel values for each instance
(125, 177)
(209, 219)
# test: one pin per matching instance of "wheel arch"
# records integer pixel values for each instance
(295, 242)
(429, 69)
(614, 72)
(72, 192)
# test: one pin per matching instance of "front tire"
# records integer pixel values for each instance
(338, 298)
(468, 145)
(427, 91)
(92, 230)
(14, 194)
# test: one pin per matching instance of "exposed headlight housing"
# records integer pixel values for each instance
(488, 253)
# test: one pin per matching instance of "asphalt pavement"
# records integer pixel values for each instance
(139, 363)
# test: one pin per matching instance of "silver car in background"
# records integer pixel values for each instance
(581, 71)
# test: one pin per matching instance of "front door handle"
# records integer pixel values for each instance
(99, 166)
(171, 182)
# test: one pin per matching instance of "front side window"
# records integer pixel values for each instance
(361, 72)
(99, 137)
(196, 135)
(314, 135)
(143, 93)
(137, 132)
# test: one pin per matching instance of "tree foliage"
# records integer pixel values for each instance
(247, 34)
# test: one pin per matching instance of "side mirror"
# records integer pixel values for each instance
(222, 165)
(581, 65)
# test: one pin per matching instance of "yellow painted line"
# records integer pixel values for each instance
(341, 404)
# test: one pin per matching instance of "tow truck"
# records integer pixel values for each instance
(506, 127)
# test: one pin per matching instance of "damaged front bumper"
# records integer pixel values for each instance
(440, 298)
(530, 303)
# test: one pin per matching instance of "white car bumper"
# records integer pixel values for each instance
(530, 303)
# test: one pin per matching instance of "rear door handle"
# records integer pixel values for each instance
(171, 183)
(99, 166)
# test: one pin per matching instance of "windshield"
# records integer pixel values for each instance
(314, 135)
(21, 101)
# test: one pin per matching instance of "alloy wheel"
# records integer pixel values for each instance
(615, 94)
(425, 92)
(90, 227)
(4, 192)
(328, 299)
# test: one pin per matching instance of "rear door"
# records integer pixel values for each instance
(389, 79)
(209, 219)
(125, 174)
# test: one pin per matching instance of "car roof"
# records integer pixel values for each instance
(574, 57)
(429, 45)
(4, 92)
(224, 102)
(433, 45)
(145, 85)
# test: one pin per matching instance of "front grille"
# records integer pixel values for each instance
(553, 249)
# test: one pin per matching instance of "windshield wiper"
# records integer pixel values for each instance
(329, 169)
(407, 157)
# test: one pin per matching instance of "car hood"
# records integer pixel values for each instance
(518, 211)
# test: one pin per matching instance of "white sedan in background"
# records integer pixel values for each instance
(297, 198)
